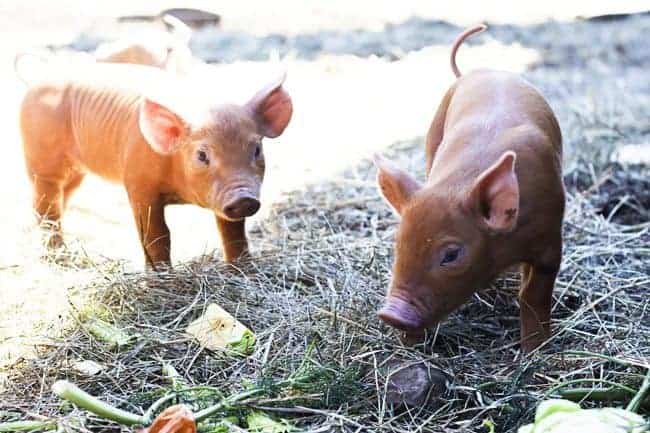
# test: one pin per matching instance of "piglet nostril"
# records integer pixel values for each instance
(251, 206)
(241, 207)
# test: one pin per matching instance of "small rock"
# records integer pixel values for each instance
(415, 384)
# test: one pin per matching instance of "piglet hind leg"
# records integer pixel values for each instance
(48, 205)
(71, 186)
(149, 214)
(535, 299)
(233, 239)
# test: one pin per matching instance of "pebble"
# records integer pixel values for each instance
(414, 385)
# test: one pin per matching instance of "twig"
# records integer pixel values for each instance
(640, 396)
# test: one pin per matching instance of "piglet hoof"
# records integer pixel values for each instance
(532, 342)
(529, 346)
(54, 249)
(157, 267)
(52, 236)
(412, 338)
(242, 264)
(238, 259)
(54, 241)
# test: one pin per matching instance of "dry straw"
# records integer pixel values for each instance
(311, 294)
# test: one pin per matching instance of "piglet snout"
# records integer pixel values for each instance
(242, 204)
(400, 314)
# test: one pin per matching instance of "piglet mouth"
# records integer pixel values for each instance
(401, 315)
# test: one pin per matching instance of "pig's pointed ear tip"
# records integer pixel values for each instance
(148, 104)
(510, 155)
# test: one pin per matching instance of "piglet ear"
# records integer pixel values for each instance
(272, 108)
(496, 191)
(162, 128)
(395, 185)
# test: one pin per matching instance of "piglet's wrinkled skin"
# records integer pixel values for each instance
(493, 198)
(74, 126)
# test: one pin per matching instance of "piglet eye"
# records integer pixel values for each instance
(203, 157)
(258, 150)
(450, 255)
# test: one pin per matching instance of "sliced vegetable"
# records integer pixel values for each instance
(109, 334)
(562, 416)
(489, 424)
(178, 381)
(259, 422)
(174, 419)
(87, 367)
(217, 329)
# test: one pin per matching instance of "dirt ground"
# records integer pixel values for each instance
(351, 66)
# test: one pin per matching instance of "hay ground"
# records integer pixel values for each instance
(322, 261)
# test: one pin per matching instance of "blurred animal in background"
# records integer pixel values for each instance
(167, 50)
(493, 198)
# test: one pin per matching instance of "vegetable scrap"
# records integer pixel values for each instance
(217, 329)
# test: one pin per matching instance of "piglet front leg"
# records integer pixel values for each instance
(149, 214)
(233, 239)
(536, 296)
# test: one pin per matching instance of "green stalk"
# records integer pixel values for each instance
(601, 356)
(209, 411)
(148, 415)
(595, 394)
(76, 396)
(577, 381)
(16, 426)
(600, 394)
(640, 396)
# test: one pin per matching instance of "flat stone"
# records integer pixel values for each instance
(415, 384)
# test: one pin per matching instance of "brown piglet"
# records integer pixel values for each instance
(493, 198)
(212, 158)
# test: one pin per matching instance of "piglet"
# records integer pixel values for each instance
(493, 198)
(214, 159)
(158, 48)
